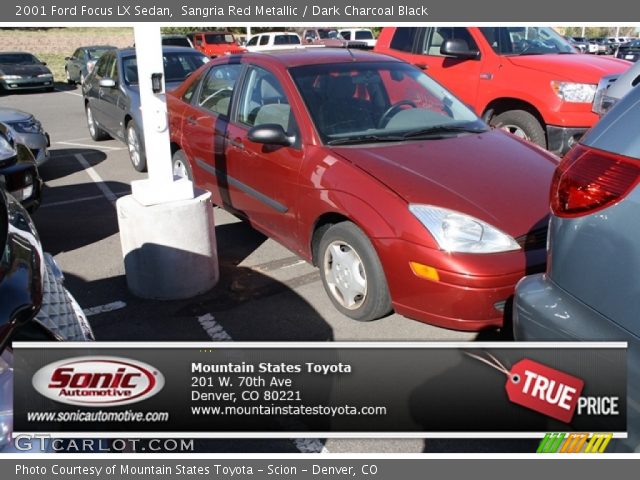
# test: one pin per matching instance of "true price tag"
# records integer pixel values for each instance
(539, 387)
(544, 389)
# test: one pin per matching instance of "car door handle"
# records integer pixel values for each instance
(237, 143)
(192, 120)
(422, 66)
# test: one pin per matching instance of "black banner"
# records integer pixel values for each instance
(258, 389)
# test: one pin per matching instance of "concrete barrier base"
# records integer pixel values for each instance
(169, 249)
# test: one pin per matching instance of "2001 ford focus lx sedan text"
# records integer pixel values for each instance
(371, 170)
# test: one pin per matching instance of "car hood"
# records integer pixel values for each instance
(10, 115)
(8, 69)
(575, 67)
(492, 176)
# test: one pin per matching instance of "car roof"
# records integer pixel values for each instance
(165, 49)
(14, 52)
(315, 56)
(99, 46)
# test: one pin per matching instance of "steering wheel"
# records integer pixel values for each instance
(392, 110)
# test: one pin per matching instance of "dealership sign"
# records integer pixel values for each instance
(98, 381)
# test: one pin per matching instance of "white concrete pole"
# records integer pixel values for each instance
(160, 187)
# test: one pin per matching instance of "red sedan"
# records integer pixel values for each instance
(374, 172)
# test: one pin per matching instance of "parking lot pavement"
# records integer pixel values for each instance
(265, 291)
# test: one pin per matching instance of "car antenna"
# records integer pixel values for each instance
(353, 57)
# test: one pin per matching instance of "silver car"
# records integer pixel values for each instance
(591, 290)
(112, 98)
(28, 131)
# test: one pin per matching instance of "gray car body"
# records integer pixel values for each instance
(113, 108)
(76, 65)
(28, 131)
(591, 290)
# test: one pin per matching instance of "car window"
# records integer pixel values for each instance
(77, 53)
(104, 65)
(404, 38)
(525, 40)
(264, 40)
(217, 88)
(286, 40)
(364, 35)
(438, 35)
(346, 34)
(253, 41)
(263, 101)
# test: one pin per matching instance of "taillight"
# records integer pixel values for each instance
(588, 180)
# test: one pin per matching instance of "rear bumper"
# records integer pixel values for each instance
(561, 139)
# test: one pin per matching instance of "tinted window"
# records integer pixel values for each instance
(218, 38)
(346, 35)
(286, 40)
(103, 66)
(525, 40)
(176, 41)
(18, 58)
(364, 35)
(404, 38)
(253, 41)
(264, 40)
(177, 66)
(217, 88)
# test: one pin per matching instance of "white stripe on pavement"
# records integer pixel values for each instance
(106, 191)
(99, 147)
(81, 199)
(69, 93)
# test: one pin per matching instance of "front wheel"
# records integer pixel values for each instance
(352, 274)
(522, 124)
(69, 79)
(95, 131)
(136, 150)
(181, 167)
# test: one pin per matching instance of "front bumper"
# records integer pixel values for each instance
(471, 292)
(38, 143)
(32, 83)
(561, 139)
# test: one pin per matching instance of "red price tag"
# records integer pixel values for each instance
(544, 389)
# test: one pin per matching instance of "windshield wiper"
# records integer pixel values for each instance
(438, 130)
(365, 139)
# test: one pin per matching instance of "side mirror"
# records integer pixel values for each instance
(271, 134)
(68, 58)
(107, 83)
(43, 63)
(458, 48)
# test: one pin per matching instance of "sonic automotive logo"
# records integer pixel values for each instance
(98, 381)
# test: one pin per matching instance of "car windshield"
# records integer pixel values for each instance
(177, 66)
(95, 53)
(526, 41)
(219, 38)
(18, 59)
(379, 101)
(635, 44)
(364, 35)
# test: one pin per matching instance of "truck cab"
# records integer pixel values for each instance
(527, 80)
(214, 44)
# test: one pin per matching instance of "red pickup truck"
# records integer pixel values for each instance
(527, 80)
(214, 44)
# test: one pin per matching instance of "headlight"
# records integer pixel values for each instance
(28, 126)
(574, 92)
(45, 75)
(11, 77)
(6, 150)
(457, 232)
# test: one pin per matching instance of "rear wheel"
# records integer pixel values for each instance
(70, 81)
(136, 150)
(181, 167)
(352, 274)
(522, 124)
(95, 131)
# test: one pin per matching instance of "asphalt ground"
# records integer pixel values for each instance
(265, 293)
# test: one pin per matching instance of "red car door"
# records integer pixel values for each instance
(203, 115)
(264, 179)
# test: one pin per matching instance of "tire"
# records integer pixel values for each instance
(521, 124)
(95, 131)
(352, 274)
(81, 78)
(181, 166)
(135, 147)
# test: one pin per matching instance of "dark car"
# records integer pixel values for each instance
(365, 166)
(18, 171)
(80, 64)
(629, 51)
(23, 71)
(112, 98)
(590, 289)
(176, 41)
(27, 130)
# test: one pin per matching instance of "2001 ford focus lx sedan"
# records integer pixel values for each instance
(371, 170)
